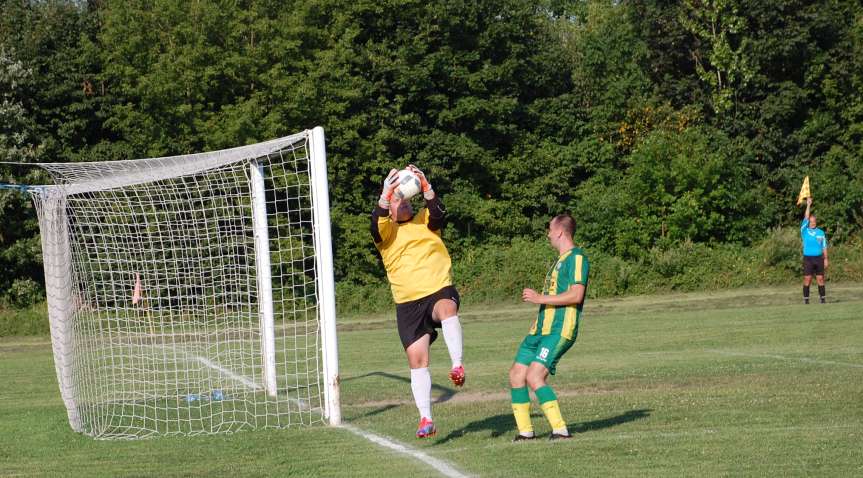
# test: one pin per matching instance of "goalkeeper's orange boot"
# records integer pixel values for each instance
(426, 428)
(456, 375)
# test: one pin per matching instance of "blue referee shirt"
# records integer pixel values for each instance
(814, 240)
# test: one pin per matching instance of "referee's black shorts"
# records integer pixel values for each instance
(414, 318)
(813, 265)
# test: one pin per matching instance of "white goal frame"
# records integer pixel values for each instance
(74, 181)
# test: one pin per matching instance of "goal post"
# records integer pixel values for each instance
(326, 281)
(56, 254)
(193, 294)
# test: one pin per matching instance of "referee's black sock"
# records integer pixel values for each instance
(805, 294)
(822, 291)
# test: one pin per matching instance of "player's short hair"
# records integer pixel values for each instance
(565, 221)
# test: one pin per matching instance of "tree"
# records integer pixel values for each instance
(688, 185)
(721, 54)
(19, 245)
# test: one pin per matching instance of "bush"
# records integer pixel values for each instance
(846, 261)
(674, 187)
(781, 249)
(32, 320)
(355, 299)
(490, 273)
(610, 276)
(24, 293)
(497, 273)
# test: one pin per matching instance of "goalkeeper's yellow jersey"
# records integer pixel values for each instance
(415, 257)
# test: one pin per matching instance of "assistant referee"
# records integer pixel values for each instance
(814, 253)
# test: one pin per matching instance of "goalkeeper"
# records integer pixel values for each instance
(553, 332)
(419, 268)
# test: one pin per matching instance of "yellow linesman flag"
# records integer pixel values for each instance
(804, 191)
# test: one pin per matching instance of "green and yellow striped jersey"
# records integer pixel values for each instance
(571, 268)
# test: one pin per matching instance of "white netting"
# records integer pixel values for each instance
(155, 300)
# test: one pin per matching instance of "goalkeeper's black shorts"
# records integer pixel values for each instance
(414, 318)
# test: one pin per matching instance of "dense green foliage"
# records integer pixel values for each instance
(661, 125)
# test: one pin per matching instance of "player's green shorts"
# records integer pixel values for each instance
(545, 349)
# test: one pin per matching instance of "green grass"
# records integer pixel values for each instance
(744, 382)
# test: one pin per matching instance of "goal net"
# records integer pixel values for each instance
(193, 294)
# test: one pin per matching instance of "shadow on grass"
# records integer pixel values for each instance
(504, 423)
(498, 425)
(609, 422)
(446, 393)
(376, 411)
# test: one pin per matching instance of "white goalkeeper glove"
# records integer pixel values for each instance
(428, 192)
(390, 184)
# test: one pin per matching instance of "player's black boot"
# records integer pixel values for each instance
(559, 436)
(521, 437)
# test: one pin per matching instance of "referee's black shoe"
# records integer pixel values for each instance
(559, 436)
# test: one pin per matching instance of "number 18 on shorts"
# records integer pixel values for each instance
(545, 349)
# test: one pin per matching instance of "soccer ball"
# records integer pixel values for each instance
(409, 184)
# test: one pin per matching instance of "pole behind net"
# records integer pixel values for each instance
(264, 275)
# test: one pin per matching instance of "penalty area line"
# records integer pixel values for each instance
(441, 466)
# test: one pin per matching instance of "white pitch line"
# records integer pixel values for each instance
(224, 371)
(245, 381)
(782, 357)
(441, 466)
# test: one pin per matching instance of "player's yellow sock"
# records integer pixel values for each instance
(521, 410)
(548, 403)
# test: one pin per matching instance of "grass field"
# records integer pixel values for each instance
(744, 382)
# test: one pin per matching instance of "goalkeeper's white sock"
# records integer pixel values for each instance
(421, 387)
(452, 337)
